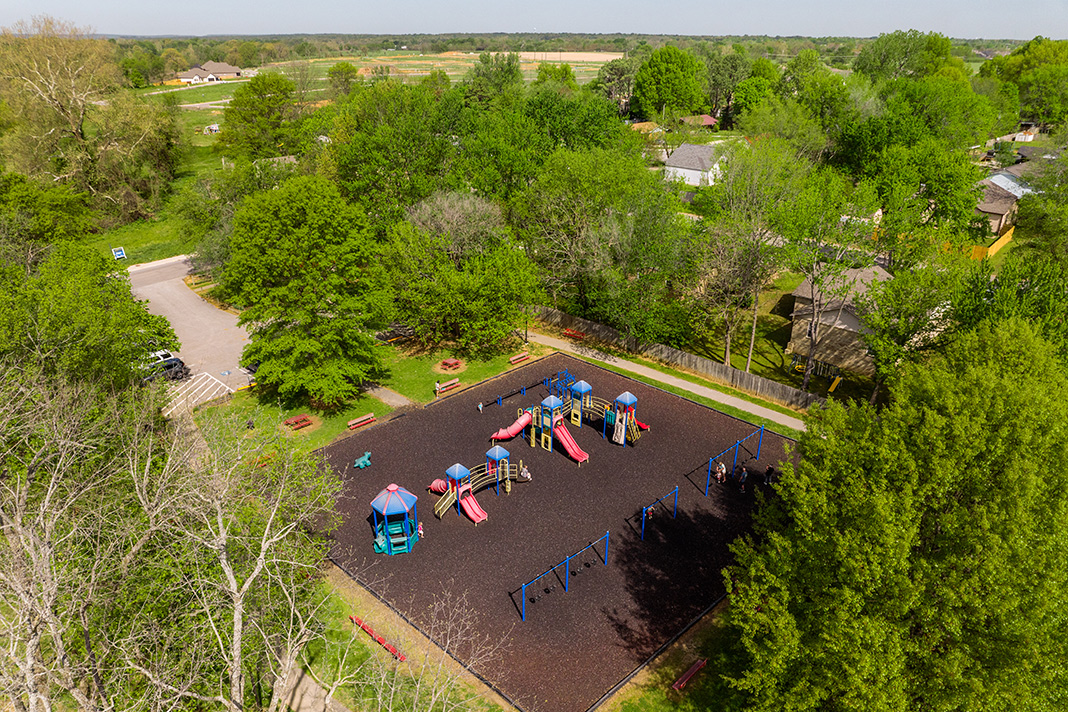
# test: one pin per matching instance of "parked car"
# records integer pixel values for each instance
(171, 368)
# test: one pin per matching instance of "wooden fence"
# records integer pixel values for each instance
(980, 252)
(742, 381)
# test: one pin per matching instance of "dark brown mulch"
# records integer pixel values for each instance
(573, 646)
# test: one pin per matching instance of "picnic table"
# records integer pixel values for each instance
(450, 363)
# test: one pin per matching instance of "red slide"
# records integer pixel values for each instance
(470, 506)
(514, 429)
(564, 436)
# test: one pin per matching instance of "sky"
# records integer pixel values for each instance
(812, 18)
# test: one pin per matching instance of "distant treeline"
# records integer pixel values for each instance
(152, 59)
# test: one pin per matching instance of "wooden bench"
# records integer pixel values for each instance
(576, 335)
(448, 385)
(301, 424)
(295, 419)
(450, 363)
(364, 461)
(519, 357)
(362, 421)
(681, 682)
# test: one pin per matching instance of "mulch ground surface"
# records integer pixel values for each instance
(574, 646)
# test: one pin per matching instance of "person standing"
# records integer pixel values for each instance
(743, 477)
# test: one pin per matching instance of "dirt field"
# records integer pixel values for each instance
(573, 646)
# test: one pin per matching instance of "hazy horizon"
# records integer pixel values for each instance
(962, 19)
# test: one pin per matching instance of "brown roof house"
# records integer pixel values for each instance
(840, 345)
(209, 72)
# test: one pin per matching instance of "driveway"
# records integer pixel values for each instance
(211, 339)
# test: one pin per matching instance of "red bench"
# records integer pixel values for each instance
(519, 357)
(301, 424)
(362, 421)
(295, 419)
(681, 682)
(448, 385)
(577, 335)
(450, 363)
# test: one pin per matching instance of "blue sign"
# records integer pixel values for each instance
(120, 254)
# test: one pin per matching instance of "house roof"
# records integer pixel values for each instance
(194, 72)
(221, 67)
(996, 200)
(699, 120)
(694, 157)
(646, 127)
(861, 279)
(1011, 183)
(1037, 151)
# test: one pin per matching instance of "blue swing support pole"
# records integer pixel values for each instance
(567, 573)
(647, 510)
(760, 442)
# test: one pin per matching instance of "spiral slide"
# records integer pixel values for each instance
(514, 429)
(564, 436)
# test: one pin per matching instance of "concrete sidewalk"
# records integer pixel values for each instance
(711, 394)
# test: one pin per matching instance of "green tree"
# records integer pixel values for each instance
(35, 215)
(1043, 214)
(910, 54)
(615, 79)
(669, 80)
(72, 127)
(341, 77)
(72, 316)
(494, 75)
(888, 574)
(560, 74)
(1044, 94)
(303, 262)
(257, 121)
(750, 93)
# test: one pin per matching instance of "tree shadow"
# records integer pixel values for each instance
(675, 573)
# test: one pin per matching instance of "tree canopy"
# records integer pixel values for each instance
(669, 80)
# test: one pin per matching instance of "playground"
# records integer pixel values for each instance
(584, 569)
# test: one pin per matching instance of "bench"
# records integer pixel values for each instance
(300, 424)
(295, 419)
(450, 363)
(448, 385)
(519, 357)
(681, 682)
(362, 421)
(576, 335)
(364, 461)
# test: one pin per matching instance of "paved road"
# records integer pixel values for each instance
(210, 337)
(712, 394)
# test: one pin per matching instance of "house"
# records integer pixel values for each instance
(840, 346)
(700, 120)
(209, 72)
(694, 164)
(997, 205)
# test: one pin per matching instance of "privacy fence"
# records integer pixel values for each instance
(748, 382)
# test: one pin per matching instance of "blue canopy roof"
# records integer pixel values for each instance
(496, 453)
(551, 402)
(394, 499)
(581, 387)
(457, 472)
(626, 398)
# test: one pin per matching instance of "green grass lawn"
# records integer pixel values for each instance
(412, 374)
(651, 691)
(197, 94)
(267, 418)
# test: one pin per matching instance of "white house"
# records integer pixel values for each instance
(694, 164)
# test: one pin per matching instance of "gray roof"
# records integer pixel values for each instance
(694, 157)
(861, 278)
(1010, 183)
(996, 200)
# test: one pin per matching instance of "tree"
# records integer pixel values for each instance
(889, 575)
(494, 75)
(907, 317)
(560, 74)
(724, 72)
(669, 79)
(256, 122)
(750, 93)
(615, 79)
(824, 224)
(35, 215)
(71, 125)
(1044, 94)
(909, 54)
(745, 201)
(71, 315)
(607, 236)
(1043, 214)
(341, 77)
(785, 119)
(307, 269)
